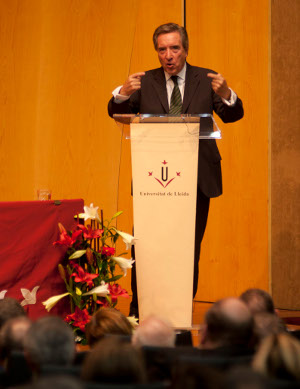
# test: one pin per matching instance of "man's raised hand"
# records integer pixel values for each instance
(132, 84)
(219, 85)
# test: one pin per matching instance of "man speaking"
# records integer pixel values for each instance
(178, 88)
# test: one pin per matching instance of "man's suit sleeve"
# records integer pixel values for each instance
(129, 106)
(227, 113)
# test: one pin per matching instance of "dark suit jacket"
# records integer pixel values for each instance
(199, 97)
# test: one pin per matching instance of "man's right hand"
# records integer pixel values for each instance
(132, 84)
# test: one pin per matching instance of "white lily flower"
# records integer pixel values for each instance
(133, 321)
(29, 297)
(90, 212)
(77, 254)
(128, 239)
(2, 294)
(49, 304)
(101, 290)
(124, 263)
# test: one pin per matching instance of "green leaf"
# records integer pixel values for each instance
(77, 254)
(115, 278)
(117, 214)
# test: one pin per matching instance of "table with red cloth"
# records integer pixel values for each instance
(28, 257)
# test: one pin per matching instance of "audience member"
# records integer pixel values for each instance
(49, 341)
(10, 308)
(114, 361)
(190, 376)
(154, 331)
(107, 321)
(267, 324)
(12, 336)
(278, 357)
(57, 382)
(244, 378)
(228, 324)
(258, 301)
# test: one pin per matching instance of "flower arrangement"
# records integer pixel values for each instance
(88, 268)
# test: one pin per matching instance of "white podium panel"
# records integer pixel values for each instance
(164, 170)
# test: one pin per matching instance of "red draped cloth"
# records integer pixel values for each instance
(27, 255)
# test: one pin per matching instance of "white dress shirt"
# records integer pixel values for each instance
(170, 85)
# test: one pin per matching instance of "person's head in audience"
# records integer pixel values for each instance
(267, 324)
(278, 356)
(227, 323)
(10, 308)
(258, 300)
(243, 377)
(154, 331)
(107, 321)
(49, 341)
(12, 335)
(114, 361)
(190, 376)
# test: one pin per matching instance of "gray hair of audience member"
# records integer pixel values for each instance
(114, 361)
(258, 300)
(12, 335)
(172, 27)
(49, 341)
(10, 308)
(154, 331)
(266, 324)
(228, 323)
(278, 356)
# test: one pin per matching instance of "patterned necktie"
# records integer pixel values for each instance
(176, 102)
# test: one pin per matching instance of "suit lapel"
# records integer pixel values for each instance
(159, 83)
(192, 80)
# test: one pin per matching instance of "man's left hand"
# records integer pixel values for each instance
(219, 85)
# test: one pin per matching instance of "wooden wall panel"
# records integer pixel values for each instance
(231, 37)
(59, 62)
(285, 153)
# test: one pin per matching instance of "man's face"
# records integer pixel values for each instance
(171, 53)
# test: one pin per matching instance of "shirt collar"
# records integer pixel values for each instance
(181, 74)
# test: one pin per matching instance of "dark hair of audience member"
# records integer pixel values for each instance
(10, 308)
(190, 376)
(114, 361)
(258, 300)
(12, 335)
(49, 341)
(266, 324)
(278, 356)
(242, 377)
(229, 323)
(107, 321)
(56, 382)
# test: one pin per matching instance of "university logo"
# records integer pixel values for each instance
(164, 180)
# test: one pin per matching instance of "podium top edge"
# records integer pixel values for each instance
(150, 118)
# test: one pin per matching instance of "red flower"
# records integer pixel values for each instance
(108, 251)
(66, 240)
(82, 276)
(89, 233)
(116, 291)
(103, 302)
(80, 318)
